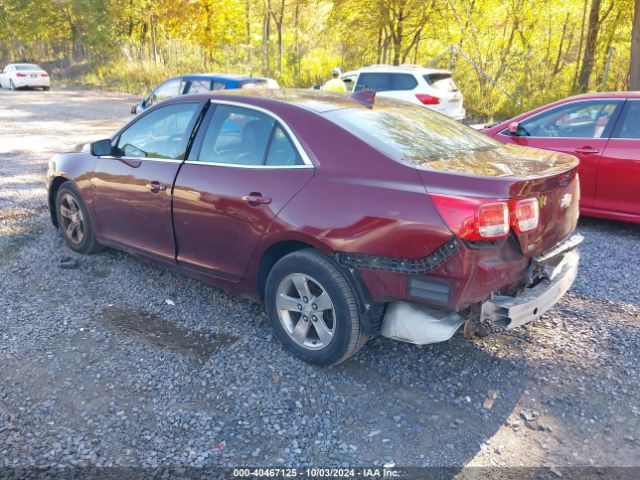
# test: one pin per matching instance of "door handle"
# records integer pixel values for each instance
(587, 150)
(156, 187)
(256, 199)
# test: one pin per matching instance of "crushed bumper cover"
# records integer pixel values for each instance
(559, 268)
(419, 324)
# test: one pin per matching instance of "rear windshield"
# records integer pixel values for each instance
(27, 66)
(381, 82)
(410, 133)
(441, 81)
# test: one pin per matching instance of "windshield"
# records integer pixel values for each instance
(410, 133)
(27, 66)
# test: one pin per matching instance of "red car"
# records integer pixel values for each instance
(348, 217)
(603, 131)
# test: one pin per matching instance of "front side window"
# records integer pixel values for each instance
(199, 86)
(588, 119)
(409, 133)
(161, 134)
(168, 89)
(236, 136)
(219, 86)
(630, 123)
(381, 82)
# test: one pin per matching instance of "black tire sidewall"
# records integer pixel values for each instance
(88, 242)
(343, 302)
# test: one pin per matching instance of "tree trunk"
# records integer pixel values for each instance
(590, 46)
(634, 69)
(248, 25)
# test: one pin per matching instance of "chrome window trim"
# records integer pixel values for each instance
(620, 100)
(256, 167)
(307, 163)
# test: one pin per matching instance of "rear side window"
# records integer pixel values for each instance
(410, 133)
(630, 123)
(199, 86)
(236, 136)
(163, 133)
(381, 82)
(281, 151)
(441, 81)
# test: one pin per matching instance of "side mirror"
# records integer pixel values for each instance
(514, 129)
(134, 109)
(101, 148)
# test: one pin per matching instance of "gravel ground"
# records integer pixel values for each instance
(97, 369)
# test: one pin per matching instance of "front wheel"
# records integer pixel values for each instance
(12, 85)
(74, 222)
(312, 308)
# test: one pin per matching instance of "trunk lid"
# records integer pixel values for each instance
(514, 172)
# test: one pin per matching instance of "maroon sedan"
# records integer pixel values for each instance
(603, 131)
(348, 218)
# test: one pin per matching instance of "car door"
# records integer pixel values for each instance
(244, 167)
(619, 169)
(132, 187)
(581, 128)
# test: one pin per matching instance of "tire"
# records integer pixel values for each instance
(74, 222)
(46, 89)
(12, 85)
(331, 332)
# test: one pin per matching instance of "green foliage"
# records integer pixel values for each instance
(508, 56)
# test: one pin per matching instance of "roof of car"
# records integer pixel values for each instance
(221, 76)
(622, 94)
(405, 68)
(315, 100)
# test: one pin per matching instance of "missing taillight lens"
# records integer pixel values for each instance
(473, 218)
(526, 214)
(427, 99)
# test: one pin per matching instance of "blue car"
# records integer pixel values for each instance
(198, 83)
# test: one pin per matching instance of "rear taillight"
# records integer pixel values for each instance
(474, 218)
(427, 99)
(20, 74)
(44, 74)
(487, 219)
(525, 214)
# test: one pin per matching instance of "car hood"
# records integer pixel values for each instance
(503, 161)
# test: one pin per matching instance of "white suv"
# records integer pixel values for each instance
(427, 87)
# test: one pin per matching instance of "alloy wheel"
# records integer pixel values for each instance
(72, 219)
(306, 311)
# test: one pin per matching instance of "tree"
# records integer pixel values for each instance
(593, 27)
(634, 69)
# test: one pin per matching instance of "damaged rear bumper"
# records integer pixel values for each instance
(559, 267)
(419, 324)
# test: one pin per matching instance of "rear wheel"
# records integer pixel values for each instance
(46, 88)
(74, 222)
(312, 308)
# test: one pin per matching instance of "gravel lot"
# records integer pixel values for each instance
(96, 368)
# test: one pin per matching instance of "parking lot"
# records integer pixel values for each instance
(119, 362)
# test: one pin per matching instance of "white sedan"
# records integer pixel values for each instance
(24, 75)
